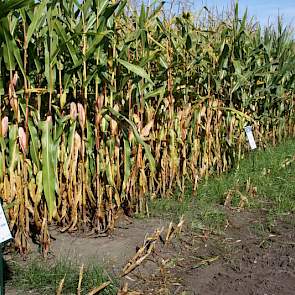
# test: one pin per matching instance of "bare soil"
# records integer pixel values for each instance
(242, 260)
(112, 250)
(250, 264)
(247, 258)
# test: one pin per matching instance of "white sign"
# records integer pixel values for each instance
(5, 233)
(248, 130)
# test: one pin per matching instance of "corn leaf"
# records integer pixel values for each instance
(48, 177)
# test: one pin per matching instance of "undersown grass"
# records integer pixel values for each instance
(265, 180)
(39, 277)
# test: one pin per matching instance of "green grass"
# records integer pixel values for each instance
(43, 277)
(272, 176)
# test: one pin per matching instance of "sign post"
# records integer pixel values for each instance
(5, 235)
(251, 140)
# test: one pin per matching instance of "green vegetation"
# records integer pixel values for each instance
(268, 185)
(44, 278)
(102, 107)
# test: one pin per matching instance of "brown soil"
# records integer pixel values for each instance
(253, 266)
(242, 260)
(111, 250)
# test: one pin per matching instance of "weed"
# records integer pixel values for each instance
(44, 278)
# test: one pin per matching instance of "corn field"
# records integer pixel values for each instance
(104, 108)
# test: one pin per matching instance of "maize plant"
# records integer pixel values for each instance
(103, 107)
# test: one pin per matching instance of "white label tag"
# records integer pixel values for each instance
(5, 233)
(248, 130)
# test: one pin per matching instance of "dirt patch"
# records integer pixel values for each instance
(241, 261)
(112, 250)
(253, 269)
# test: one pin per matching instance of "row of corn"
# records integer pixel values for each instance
(104, 107)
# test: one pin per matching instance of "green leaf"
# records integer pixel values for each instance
(135, 69)
(127, 164)
(10, 5)
(8, 51)
(47, 62)
(34, 144)
(37, 20)
(66, 40)
(18, 58)
(157, 92)
(13, 148)
(95, 43)
(48, 177)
